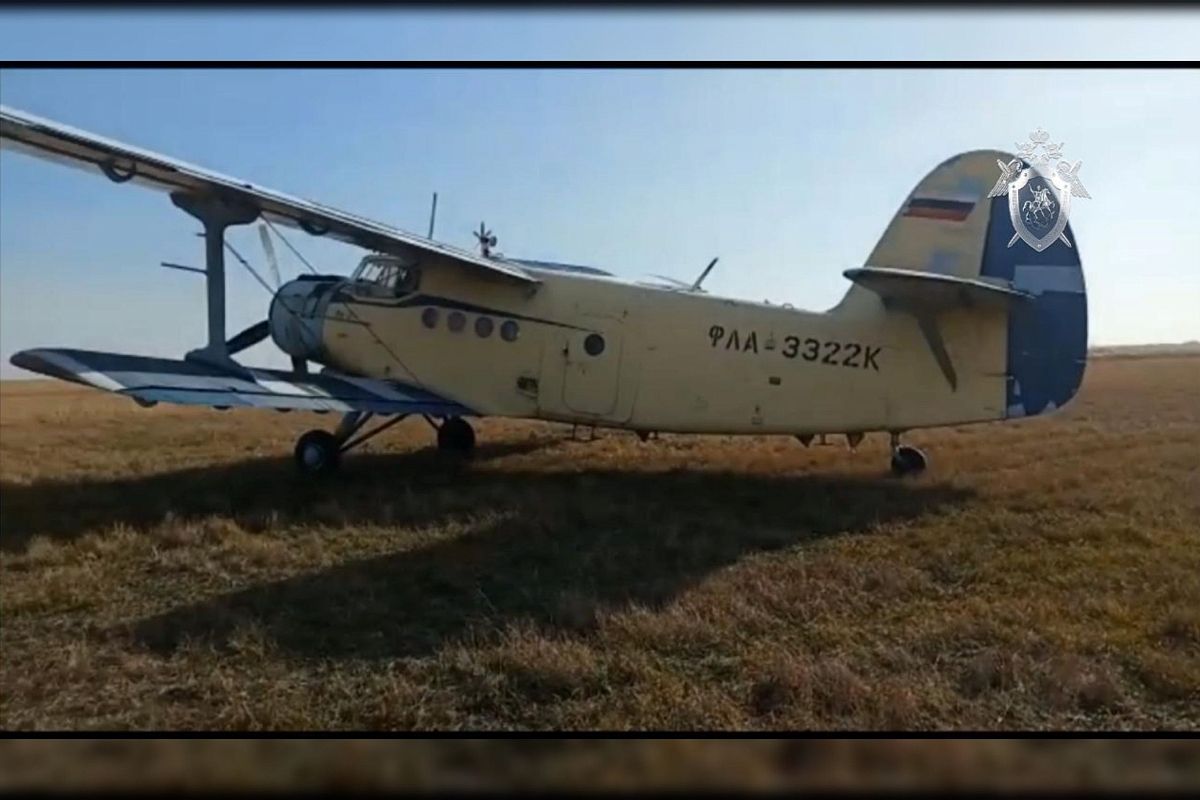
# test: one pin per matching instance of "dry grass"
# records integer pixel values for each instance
(165, 568)
(697, 765)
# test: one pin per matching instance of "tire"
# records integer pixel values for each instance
(317, 453)
(908, 461)
(456, 436)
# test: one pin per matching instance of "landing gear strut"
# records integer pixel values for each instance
(319, 452)
(906, 460)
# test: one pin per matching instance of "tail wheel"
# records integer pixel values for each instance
(456, 435)
(318, 452)
(908, 460)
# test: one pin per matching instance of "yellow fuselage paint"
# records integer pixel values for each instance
(672, 361)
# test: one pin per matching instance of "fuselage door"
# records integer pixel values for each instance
(592, 367)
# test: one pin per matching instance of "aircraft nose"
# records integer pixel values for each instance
(297, 315)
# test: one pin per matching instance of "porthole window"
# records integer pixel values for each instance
(456, 321)
(510, 330)
(593, 345)
(483, 327)
(429, 318)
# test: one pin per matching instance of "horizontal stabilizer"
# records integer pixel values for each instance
(925, 292)
(150, 380)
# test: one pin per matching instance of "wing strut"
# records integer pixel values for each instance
(216, 215)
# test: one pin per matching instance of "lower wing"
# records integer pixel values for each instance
(151, 380)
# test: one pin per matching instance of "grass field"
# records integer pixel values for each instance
(165, 568)
(700, 765)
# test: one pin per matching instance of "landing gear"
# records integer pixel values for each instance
(455, 435)
(906, 460)
(318, 452)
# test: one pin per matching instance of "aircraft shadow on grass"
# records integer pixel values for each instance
(547, 547)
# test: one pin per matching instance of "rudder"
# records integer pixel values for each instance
(1047, 336)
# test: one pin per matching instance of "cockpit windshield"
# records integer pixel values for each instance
(383, 275)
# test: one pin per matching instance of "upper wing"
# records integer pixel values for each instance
(54, 141)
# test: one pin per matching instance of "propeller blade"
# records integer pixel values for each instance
(269, 249)
(248, 338)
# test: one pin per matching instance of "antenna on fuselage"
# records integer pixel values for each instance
(703, 275)
(432, 216)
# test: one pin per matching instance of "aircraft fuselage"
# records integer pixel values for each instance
(600, 351)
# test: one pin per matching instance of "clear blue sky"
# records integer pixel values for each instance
(788, 176)
(612, 33)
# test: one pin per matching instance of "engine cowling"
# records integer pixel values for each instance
(297, 316)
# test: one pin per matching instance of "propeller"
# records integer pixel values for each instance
(486, 239)
(259, 330)
(248, 338)
(269, 250)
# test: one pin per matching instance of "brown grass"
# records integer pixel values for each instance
(600, 765)
(165, 568)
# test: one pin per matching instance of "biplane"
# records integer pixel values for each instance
(945, 324)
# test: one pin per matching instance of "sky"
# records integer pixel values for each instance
(338, 32)
(789, 176)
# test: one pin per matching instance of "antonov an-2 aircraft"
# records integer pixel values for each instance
(948, 323)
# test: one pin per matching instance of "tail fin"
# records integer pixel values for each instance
(949, 227)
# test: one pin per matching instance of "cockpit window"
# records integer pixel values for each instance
(386, 277)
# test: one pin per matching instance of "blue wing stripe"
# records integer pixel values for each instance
(187, 383)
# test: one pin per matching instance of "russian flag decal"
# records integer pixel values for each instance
(934, 208)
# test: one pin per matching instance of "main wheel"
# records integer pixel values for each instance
(456, 436)
(907, 461)
(318, 452)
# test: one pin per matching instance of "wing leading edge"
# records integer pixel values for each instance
(53, 141)
(151, 380)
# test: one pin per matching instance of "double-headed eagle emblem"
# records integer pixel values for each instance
(1038, 207)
